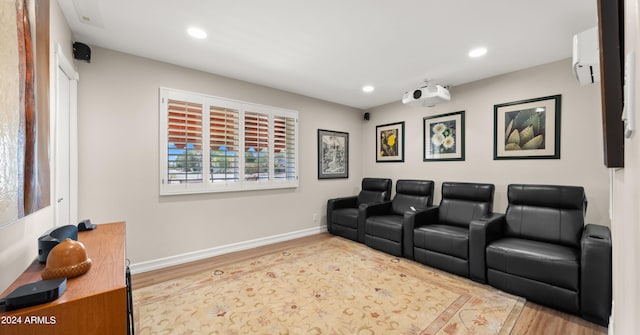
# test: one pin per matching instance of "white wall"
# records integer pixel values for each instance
(118, 154)
(581, 160)
(118, 133)
(626, 212)
(19, 240)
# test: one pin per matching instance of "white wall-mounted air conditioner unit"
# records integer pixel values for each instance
(586, 56)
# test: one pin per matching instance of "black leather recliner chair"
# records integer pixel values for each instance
(441, 236)
(343, 213)
(384, 223)
(541, 250)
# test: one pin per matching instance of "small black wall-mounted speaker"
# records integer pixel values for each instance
(366, 116)
(81, 51)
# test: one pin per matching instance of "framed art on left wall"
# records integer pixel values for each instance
(333, 154)
(24, 78)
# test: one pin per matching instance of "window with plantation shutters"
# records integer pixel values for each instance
(224, 139)
(256, 146)
(185, 142)
(284, 147)
(212, 144)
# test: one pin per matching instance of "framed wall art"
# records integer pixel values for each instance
(444, 137)
(390, 142)
(333, 154)
(24, 135)
(527, 129)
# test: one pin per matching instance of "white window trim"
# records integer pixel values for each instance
(213, 187)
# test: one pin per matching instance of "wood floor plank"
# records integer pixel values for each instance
(534, 319)
(537, 319)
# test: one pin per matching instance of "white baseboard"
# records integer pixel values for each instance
(221, 250)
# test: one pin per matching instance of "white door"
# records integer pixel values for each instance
(65, 155)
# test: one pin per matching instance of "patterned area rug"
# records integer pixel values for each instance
(334, 286)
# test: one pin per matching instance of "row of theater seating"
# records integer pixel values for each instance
(540, 248)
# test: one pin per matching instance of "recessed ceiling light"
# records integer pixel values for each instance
(477, 52)
(197, 33)
(368, 88)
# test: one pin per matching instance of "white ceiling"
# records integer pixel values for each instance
(329, 49)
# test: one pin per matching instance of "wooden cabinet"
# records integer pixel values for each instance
(93, 303)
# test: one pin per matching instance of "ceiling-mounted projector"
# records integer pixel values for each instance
(426, 96)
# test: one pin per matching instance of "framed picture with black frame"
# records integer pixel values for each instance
(390, 142)
(444, 137)
(527, 129)
(333, 154)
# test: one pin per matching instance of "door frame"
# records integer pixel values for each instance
(66, 66)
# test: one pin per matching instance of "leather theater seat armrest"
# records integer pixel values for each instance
(412, 220)
(344, 202)
(482, 232)
(382, 208)
(426, 216)
(366, 211)
(595, 274)
(338, 203)
(491, 225)
(593, 232)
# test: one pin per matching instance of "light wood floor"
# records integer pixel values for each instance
(535, 319)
